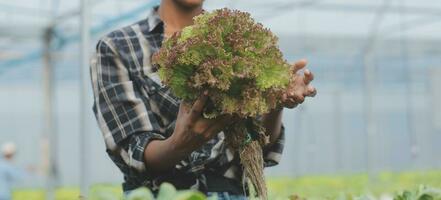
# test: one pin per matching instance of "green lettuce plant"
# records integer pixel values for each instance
(239, 63)
(227, 53)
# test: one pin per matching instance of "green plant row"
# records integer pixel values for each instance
(402, 186)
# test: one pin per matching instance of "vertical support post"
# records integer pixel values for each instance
(84, 108)
(49, 135)
(369, 74)
(337, 131)
(435, 106)
(369, 82)
(413, 140)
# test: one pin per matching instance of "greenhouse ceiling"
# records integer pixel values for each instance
(22, 22)
(23, 18)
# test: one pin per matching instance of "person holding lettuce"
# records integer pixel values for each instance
(153, 137)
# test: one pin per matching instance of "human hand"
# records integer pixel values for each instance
(299, 87)
(192, 130)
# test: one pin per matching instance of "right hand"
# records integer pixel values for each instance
(192, 130)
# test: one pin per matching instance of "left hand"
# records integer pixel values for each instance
(299, 87)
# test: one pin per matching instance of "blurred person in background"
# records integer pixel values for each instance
(9, 173)
(149, 134)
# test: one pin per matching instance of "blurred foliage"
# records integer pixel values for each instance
(166, 192)
(333, 187)
(423, 193)
(404, 186)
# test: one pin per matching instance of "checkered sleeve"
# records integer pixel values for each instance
(273, 154)
(123, 114)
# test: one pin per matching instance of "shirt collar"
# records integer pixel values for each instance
(153, 19)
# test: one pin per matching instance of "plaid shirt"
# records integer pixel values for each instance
(132, 108)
